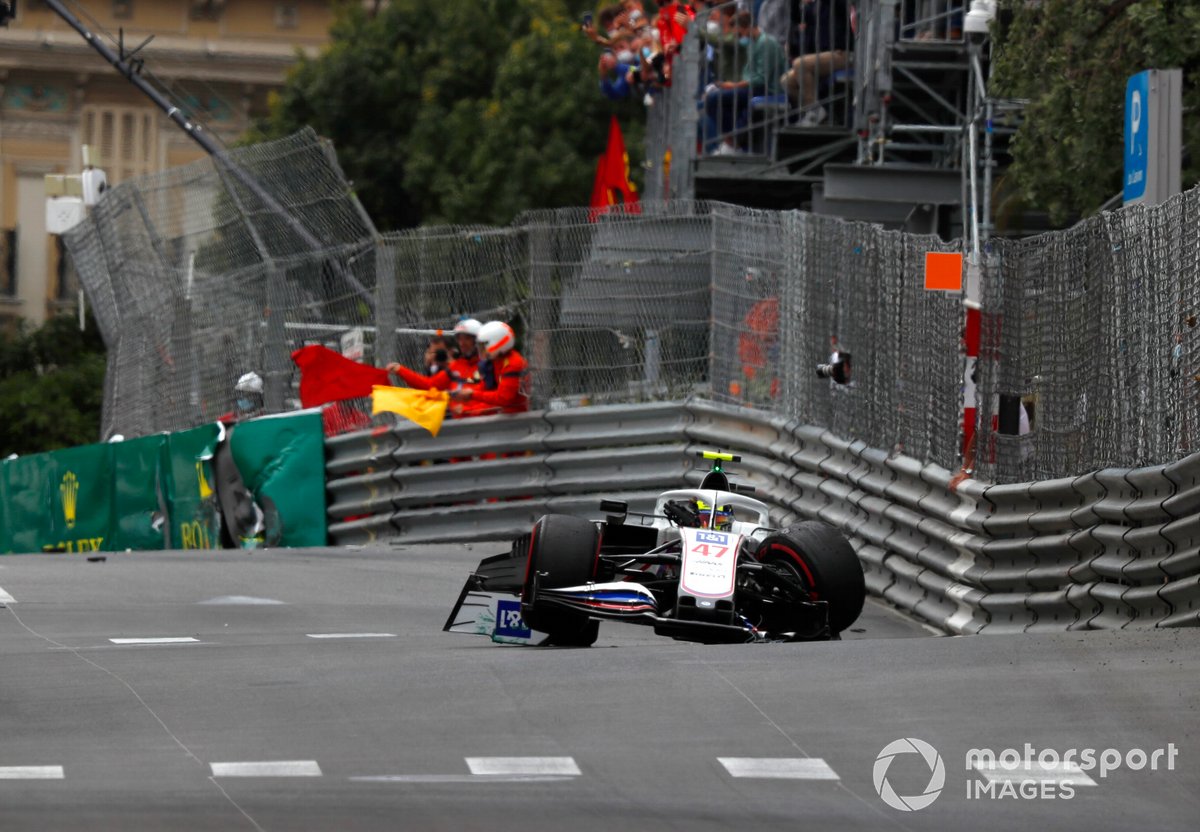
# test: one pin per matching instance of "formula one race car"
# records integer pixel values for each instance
(704, 566)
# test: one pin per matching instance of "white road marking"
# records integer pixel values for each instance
(779, 768)
(268, 768)
(562, 766)
(351, 635)
(170, 640)
(240, 600)
(463, 778)
(31, 772)
(1061, 773)
(5, 598)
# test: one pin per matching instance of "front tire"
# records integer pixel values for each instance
(825, 563)
(562, 552)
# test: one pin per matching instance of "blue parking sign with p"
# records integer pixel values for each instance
(1137, 136)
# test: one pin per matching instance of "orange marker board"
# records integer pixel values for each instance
(943, 271)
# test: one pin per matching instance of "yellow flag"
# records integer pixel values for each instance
(425, 407)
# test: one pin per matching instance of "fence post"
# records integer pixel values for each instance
(793, 324)
(541, 318)
(684, 116)
(385, 303)
(276, 358)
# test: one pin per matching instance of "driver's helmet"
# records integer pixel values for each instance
(719, 519)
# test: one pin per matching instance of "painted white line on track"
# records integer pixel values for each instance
(779, 768)
(464, 778)
(241, 600)
(31, 772)
(351, 635)
(168, 640)
(268, 768)
(5, 598)
(1061, 773)
(562, 766)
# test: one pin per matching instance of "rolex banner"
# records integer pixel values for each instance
(159, 491)
(60, 501)
(195, 519)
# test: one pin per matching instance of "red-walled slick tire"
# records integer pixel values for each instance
(825, 563)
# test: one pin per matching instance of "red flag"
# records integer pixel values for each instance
(326, 376)
(612, 186)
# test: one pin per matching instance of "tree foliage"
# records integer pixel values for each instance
(456, 111)
(51, 387)
(1071, 60)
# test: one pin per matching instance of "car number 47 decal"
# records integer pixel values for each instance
(709, 550)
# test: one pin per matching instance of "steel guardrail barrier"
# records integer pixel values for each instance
(1115, 548)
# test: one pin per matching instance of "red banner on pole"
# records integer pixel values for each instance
(612, 186)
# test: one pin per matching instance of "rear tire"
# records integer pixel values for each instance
(564, 548)
(825, 562)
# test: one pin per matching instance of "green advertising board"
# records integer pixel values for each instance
(282, 461)
(158, 491)
(188, 474)
(60, 501)
(139, 506)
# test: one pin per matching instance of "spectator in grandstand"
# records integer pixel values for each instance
(824, 38)
(617, 79)
(723, 59)
(503, 387)
(633, 16)
(641, 49)
(775, 18)
(619, 37)
(606, 18)
(726, 103)
(673, 21)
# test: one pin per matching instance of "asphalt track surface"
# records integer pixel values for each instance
(406, 727)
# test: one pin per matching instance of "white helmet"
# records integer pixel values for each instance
(468, 326)
(249, 383)
(496, 338)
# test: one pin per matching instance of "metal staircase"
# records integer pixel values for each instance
(913, 139)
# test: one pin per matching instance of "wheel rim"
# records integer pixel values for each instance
(794, 563)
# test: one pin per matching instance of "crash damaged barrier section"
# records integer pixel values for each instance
(1110, 549)
(166, 492)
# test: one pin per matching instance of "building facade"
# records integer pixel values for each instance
(218, 59)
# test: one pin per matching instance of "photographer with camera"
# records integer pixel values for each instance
(461, 371)
(438, 355)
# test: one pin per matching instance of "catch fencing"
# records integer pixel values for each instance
(200, 274)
